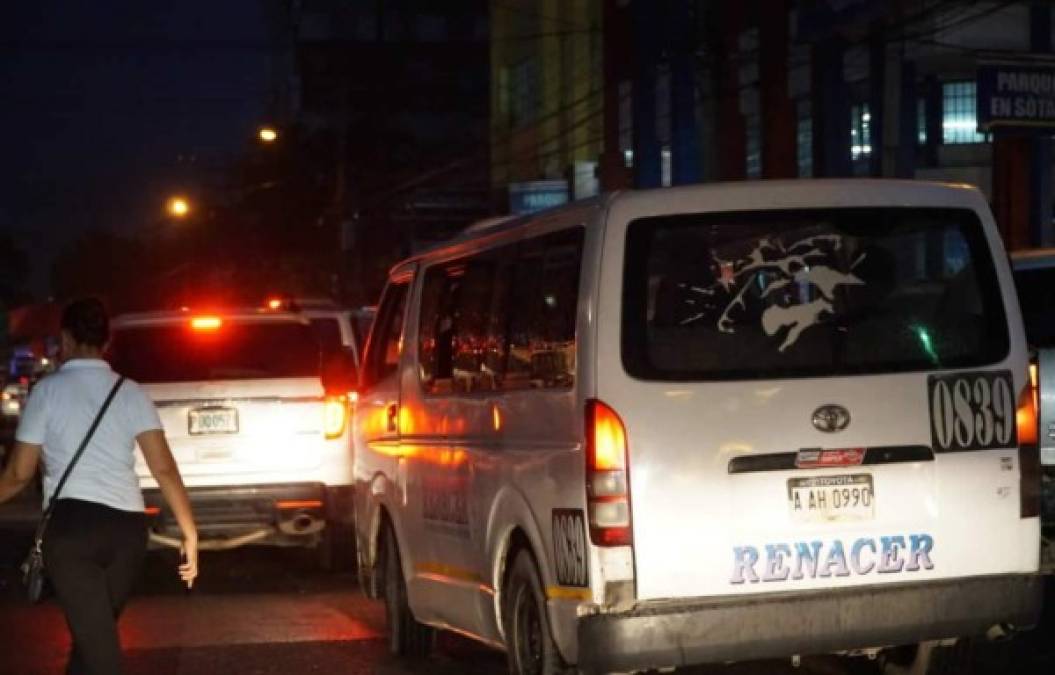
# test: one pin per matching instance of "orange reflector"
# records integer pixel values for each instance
(1026, 417)
(605, 438)
(1034, 385)
(285, 504)
(152, 510)
(206, 323)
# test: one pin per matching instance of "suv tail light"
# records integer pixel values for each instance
(206, 323)
(334, 415)
(1028, 448)
(607, 479)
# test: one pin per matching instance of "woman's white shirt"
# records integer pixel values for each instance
(57, 415)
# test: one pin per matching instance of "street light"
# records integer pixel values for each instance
(177, 207)
(268, 134)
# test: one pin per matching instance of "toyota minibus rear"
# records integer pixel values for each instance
(824, 432)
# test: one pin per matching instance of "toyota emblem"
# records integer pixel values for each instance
(831, 418)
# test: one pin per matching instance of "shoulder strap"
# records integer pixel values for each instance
(84, 444)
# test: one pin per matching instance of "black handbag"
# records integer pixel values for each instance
(34, 576)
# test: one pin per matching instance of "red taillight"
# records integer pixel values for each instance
(1026, 415)
(274, 303)
(334, 415)
(206, 323)
(1028, 448)
(607, 481)
(152, 511)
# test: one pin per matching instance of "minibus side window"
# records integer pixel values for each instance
(544, 305)
(461, 342)
(503, 319)
(382, 359)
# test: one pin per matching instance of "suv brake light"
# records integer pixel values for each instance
(206, 323)
(607, 483)
(334, 415)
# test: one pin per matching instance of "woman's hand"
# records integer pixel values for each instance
(163, 467)
(188, 569)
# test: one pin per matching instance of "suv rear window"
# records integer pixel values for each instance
(809, 293)
(235, 351)
(328, 334)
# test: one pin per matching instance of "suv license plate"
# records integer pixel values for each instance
(831, 498)
(213, 421)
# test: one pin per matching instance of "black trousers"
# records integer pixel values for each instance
(93, 555)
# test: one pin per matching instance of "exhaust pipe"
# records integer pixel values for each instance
(301, 524)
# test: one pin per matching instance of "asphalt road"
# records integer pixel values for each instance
(268, 611)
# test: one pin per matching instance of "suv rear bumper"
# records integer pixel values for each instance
(678, 633)
(278, 513)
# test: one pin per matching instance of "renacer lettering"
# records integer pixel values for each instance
(809, 560)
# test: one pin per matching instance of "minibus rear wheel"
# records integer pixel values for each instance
(406, 636)
(529, 641)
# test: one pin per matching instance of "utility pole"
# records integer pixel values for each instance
(779, 156)
(726, 23)
(1040, 203)
(614, 175)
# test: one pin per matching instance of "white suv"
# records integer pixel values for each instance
(262, 442)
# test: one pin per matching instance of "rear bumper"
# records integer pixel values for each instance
(279, 513)
(678, 633)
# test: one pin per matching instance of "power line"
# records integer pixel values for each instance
(477, 155)
(964, 21)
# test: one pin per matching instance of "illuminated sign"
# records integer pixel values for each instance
(537, 195)
(1016, 94)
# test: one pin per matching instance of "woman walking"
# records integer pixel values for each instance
(96, 539)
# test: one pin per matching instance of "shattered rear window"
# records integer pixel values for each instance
(809, 293)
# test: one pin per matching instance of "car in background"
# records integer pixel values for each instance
(24, 368)
(336, 328)
(1034, 271)
(258, 423)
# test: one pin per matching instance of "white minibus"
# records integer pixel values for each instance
(705, 424)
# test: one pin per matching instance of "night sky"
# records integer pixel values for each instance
(108, 107)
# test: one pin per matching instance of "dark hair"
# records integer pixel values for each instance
(87, 322)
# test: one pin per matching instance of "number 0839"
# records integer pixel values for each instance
(972, 411)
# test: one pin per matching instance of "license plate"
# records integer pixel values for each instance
(831, 498)
(213, 421)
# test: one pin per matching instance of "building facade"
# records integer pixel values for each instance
(393, 94)
(682, 91)
(547, 101)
